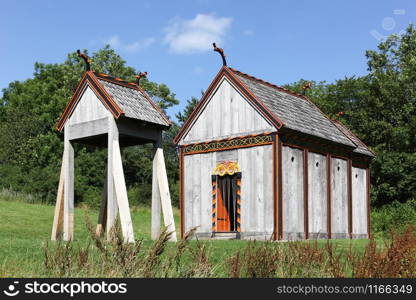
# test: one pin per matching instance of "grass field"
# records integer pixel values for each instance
(25, 228)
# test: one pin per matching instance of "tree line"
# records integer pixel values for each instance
(379, 107)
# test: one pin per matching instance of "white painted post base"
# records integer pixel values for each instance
(161, 197)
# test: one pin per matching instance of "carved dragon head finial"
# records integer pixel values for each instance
(306, 87)
(139, 76)
(86, 59)
(221, 52)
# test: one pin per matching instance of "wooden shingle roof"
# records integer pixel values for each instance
(361, 147)
(285, 109)
(296, 111)
(121, 98)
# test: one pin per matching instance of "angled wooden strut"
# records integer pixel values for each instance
(58, 219)
(117, 188)
(161, 200)
(68, 170)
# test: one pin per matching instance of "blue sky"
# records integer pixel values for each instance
(278, 41)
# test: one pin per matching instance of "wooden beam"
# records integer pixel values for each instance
(328, 192)
(58, 219)
(112, 208)
(156, 200)
(349, 193)
(181, 191)
(162, 179)
(121, 194)
(280, 188)
(275, 188)
(68, 187)
(88, 129)
(368, 203)
(305, 193)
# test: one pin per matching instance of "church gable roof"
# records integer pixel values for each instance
(283, 108)
(119, 97)
(361, 147)
(296, 111)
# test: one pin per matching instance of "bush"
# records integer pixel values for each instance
(395, 216)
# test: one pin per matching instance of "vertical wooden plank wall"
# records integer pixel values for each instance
(112, 208)
(359, 203)
(156, 204)
(68, 187)
(339, 201)
(293, 193)
(226, 114)
(317, 195)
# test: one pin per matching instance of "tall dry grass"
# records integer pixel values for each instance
(397, 258)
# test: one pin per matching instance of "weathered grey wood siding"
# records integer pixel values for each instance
(359, 203)
(339, 200)
(88, 108)
(226, 114)
(256, 191)
(293, 205)
(317, 195)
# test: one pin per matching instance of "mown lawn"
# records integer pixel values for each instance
(25, 228)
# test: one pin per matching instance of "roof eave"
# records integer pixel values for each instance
(227, 72)
(101, 93)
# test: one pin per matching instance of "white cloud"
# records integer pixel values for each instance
(197, 34)
(248, 32)
(115, 42)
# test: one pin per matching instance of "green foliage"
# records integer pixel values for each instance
(31, 149)
(380, 108)
(190, 105)
(393, 217)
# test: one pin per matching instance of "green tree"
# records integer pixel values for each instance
(30, 147)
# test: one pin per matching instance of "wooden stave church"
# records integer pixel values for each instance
(109, 112)
(297, 174)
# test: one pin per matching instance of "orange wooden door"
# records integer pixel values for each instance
(223, 216)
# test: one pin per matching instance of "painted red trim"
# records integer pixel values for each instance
(305, 193)
(354, 135)
(90, 79)
(155, 106)
(181, 192)
(280, 188)
(287, 91)
(225, 72)
(275, 120)
(349, 189)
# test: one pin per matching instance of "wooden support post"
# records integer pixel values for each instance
(119, 185)
(102, 217)
(275, 188)
(121, 194)
(68, 187)
(280, 187)
(58, 219)
(349, 189)
(163, 186)
(305, 193)
(368, 203)
(182, 191)
(156, 200)
(112, 208)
